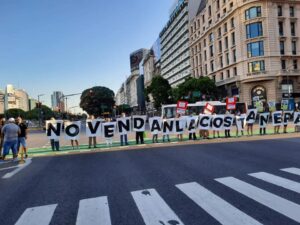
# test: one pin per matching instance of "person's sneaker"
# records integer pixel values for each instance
(15, 159)
(26, 156)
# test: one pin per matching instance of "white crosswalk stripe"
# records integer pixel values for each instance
(221, 210)
(279, 204)
(93, 211)
(40, 215)
(279, 181)
(154, 209)
(292, 170)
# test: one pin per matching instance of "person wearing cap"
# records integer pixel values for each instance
(10, 132)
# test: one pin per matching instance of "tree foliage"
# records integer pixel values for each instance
(46, 113)
(97, 100)
(160, 90)
(15, 113)
(193, 89)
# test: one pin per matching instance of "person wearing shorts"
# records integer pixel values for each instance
(22, 136)
(10, 131)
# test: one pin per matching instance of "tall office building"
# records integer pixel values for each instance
(57, 101)
(175, 55)
(250, 48)
(15, 98)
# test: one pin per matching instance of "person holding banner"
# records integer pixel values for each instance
(179, 135)
(214, 129)
(108, 139)
(92, 140)
(123, 136)
(165, 123)
(54, 140)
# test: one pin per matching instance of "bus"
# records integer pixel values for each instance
(169, 111)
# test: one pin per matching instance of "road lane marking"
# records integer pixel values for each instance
(279, 181)
(10, 174)
(292, 170)
(37, 215)
(153, 208)
(215, 206)
(93, 211)
(281, 205)
(11, 167)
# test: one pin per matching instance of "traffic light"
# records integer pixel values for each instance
(38, 105)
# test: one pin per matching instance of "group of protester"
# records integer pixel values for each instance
(13, 135)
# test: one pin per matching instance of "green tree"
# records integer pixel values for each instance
(46, 113)
(160, 90)
(193, 89)
(14, 113)
(97, 100)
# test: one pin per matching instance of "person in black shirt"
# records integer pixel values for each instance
(22, 136)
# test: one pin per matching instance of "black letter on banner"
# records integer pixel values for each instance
(91, 128)
(108, 131)
(124, 126)
(155, 126)
(53, 129)
(277, 118)
(263, 120)
(192, 124)
(68, 130)
(178, 129)
(297, 120)
(287, 117)
(216, 124)
(135, 123)
(168, 126)
(251, 116)
(227, 122)
(201, 122)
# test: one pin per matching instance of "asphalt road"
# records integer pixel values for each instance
(140, 186)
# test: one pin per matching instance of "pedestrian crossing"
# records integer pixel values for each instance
(153, 209)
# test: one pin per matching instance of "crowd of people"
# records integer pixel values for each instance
(13, 136)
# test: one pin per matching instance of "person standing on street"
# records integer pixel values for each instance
(92, 140)
(55, 140)
(22, 136)
(123, 137)
(10, 132)
(2, 122)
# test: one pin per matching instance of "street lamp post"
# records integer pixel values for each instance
(39, 105)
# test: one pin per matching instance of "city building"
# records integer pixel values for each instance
(58, 101)
(121, 95)
(249, 48)
(15, 98)
(2, 97)
(174, 40)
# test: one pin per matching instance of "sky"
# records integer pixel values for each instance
(72, 45)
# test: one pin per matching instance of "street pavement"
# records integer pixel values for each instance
(247, 182)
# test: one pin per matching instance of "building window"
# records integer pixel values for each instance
(254, 30)
(205, 56)
(234, 55)
(209, 11)
(227, 58)
(211, 37)
(220, 46)
(212, 69)
(279, 10)
(294, 47)
(255, 49)
(293, 29)
(235, 71)
(221, 61)
(292, 11)
(204, 42)
(232, 22)
(226, 42)
(283, 64)
(282, 48)
(295, 64)
(218, 4)
(205, 66)
(233, 38)
(280, 26)
(222, 76)
(253, 13)
(228, 73)
(211, 50)
(256, 66)
(214, 78)
(225, 28)
(219, 32)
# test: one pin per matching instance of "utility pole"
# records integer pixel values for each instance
(40, 110)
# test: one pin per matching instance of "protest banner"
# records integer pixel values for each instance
(168, 126)
(180, 125)
(209, 109)
(181, 107)
(277, 118)
(217, 122)
(228, 121)
(155, 125)
(296, 118)
(54, 128)
(287, 117)
(139, 123)
(272, 106)
(72, 130)
(284, 104)
(123, 125)
(109, 129)
(192, 124)
(231, 103)
(263, 119)
(240, 122)
(93, 127)
(251, 116)
(204, 122)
